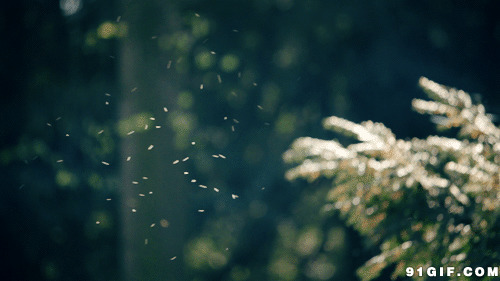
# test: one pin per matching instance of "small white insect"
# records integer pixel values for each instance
(185, 159)
(151, 147)
(165, 109)
(234, 196)
(105, 163)
(175, 162)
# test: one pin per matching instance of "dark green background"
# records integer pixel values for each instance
(308, 59)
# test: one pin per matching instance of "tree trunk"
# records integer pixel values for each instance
(148, 86)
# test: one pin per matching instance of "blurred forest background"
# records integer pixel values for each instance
(143, 140)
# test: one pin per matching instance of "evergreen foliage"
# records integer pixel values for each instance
(424, 202)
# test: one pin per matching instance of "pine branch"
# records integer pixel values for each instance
(438, 195)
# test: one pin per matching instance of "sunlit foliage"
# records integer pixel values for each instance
(424, 202)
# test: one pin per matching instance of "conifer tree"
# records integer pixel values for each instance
(424, 202)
